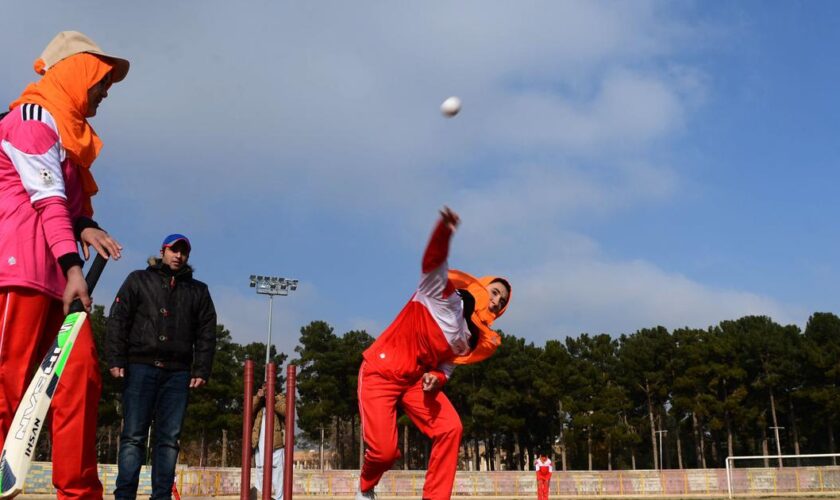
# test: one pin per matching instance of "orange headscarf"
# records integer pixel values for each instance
(63, 90)
(489, 340)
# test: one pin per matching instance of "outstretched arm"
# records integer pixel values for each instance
(438, 248)
(434, 280)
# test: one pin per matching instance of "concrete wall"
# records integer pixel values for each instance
(194, 481)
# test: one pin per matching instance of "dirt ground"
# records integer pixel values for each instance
(650, 497)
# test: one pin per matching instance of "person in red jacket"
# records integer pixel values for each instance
(414, 357)
(544, 468)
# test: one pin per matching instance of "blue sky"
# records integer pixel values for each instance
(625, 164)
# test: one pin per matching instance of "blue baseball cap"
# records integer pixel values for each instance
(175, 238)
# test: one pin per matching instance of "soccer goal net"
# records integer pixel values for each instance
(763, 474)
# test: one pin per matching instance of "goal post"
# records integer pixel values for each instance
(772, 459)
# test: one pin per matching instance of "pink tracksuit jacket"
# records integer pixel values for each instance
(40, 196)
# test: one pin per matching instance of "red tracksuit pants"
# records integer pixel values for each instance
(431, 412)
(542, 486)
(29, 322)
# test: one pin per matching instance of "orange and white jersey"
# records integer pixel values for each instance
(431, 330)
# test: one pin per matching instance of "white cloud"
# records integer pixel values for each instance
(567, 297)
(329, 111)
(627, 112)
(343, 104)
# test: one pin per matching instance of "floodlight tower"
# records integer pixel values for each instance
(271, 286)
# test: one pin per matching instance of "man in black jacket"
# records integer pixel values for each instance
(161, 337)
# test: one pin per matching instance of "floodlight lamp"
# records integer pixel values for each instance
(273, 285)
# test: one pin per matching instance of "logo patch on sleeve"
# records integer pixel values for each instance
(47, 177)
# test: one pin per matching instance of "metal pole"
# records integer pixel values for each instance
(268, 441)
(661, 461)
(247, 425)
(291, 384)
(268, 345)
(728, 477)
(321, 450)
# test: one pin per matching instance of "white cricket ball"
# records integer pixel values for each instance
(450, 107)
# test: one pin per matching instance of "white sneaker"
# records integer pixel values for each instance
(366, 495)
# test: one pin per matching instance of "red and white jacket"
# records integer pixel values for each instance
(431, 330)
(543, 467)
(40, 199)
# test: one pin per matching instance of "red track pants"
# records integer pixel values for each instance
(431, 412)
(542, 486)
(29, 322)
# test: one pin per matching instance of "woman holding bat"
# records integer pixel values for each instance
(46, 186)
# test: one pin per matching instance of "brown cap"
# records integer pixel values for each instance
(68, 43)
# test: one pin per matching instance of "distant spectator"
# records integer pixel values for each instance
(258, 441)
(543, 467)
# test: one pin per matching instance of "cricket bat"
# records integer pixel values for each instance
(19, 447)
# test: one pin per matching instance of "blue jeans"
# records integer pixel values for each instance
(151, 393)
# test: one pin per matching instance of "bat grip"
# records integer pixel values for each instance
(92, 278)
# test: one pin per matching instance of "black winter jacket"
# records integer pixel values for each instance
(162, 318)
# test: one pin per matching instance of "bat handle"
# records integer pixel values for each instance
(92, 278)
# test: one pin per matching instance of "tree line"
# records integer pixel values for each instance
(655, 398)
(685, 398)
